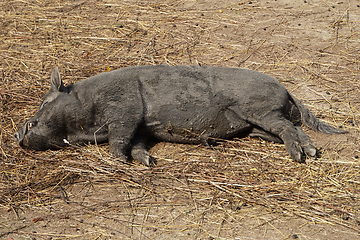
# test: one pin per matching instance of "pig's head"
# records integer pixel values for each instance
(46, 129)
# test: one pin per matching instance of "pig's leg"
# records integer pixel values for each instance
(139, 152)
(276, 123)
(122, 132)
(306, 143)
(124, 113)
(256, 132)
(119, 139)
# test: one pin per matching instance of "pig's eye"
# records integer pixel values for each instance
(31, 125)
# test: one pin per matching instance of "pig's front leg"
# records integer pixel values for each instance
(139, 152)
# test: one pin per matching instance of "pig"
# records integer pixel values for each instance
(181, 104)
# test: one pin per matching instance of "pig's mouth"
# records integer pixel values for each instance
(27, 139)
(20, 134)
(36, 140)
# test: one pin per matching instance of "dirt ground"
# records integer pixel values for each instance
(241, 189)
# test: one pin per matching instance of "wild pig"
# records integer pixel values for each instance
(183, 104)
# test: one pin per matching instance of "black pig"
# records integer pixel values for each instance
(183, 104)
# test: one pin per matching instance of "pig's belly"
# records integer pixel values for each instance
(195, 127)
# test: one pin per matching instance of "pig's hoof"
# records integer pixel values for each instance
(310, 150)
(296, 152)
(142, 156)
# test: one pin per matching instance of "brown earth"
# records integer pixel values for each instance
(241, 189)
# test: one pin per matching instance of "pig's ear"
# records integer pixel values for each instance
(56, 83)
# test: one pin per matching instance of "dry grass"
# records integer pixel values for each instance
(312, 48)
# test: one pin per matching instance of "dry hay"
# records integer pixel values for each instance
(312, 48)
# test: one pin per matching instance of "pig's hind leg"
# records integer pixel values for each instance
(278, 125)
(306, 143)
(256, 132)
(275, 123)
